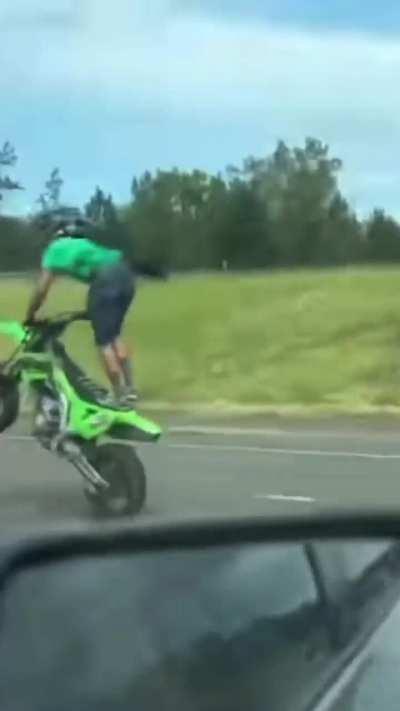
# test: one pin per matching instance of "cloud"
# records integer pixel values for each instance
(190, 63)
(364, 15)
(123, 57)
(39, 14)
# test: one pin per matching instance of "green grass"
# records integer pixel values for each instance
(328, 339)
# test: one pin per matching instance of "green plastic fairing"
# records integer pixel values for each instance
(87, 420)
(14, 329)
(90, 420)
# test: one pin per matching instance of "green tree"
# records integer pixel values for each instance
(50, 198)
(8, 159)
(382, 235)
(166, 216)
(101, 209)
(109, 226)
(240, 238)
(270, 211)
(298, 186)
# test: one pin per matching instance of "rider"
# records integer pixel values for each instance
(111, 292)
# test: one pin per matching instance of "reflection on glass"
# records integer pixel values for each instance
(251, 626)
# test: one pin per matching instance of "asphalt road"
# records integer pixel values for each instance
(225, 471)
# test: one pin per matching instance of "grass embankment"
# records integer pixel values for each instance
(327, 339)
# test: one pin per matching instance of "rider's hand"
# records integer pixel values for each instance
(29, 322)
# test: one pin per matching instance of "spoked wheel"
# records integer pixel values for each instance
(122, 469)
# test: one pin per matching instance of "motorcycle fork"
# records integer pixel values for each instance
(73, 453)
(65, 447)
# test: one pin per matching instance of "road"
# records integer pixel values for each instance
(223, 471)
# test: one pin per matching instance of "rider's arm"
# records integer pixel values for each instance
(39, 294)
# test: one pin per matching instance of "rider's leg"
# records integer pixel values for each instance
(126, 364)
(102, 315)
(120, 349)
(112, 368)
(108, 301)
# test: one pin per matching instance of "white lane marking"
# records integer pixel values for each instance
(226, 431)
(246, 448)
(284, 452)
(284, 497)
(277, 432)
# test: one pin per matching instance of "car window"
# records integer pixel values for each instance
(217, 630)
(364, 625)
(376, 683)
(351, 578)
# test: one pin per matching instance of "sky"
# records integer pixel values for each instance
(107, 90)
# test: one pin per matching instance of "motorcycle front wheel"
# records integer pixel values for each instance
(9, 401)
(121, 468)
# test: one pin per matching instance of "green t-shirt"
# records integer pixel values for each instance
(78, 257)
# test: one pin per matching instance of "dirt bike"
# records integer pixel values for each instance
(73, 415)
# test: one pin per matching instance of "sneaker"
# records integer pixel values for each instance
(128, 400)
(108, 400)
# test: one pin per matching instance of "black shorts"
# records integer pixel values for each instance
(110, 295)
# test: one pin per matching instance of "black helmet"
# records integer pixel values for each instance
(72, 228)
(63, 221)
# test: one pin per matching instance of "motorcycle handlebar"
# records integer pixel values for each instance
(70, 317)
(58, 323)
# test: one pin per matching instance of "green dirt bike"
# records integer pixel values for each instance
(73, 415)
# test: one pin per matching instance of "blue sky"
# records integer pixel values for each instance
(107, 90)
(359, 15)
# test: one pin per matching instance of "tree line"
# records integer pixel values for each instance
(283, 210)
